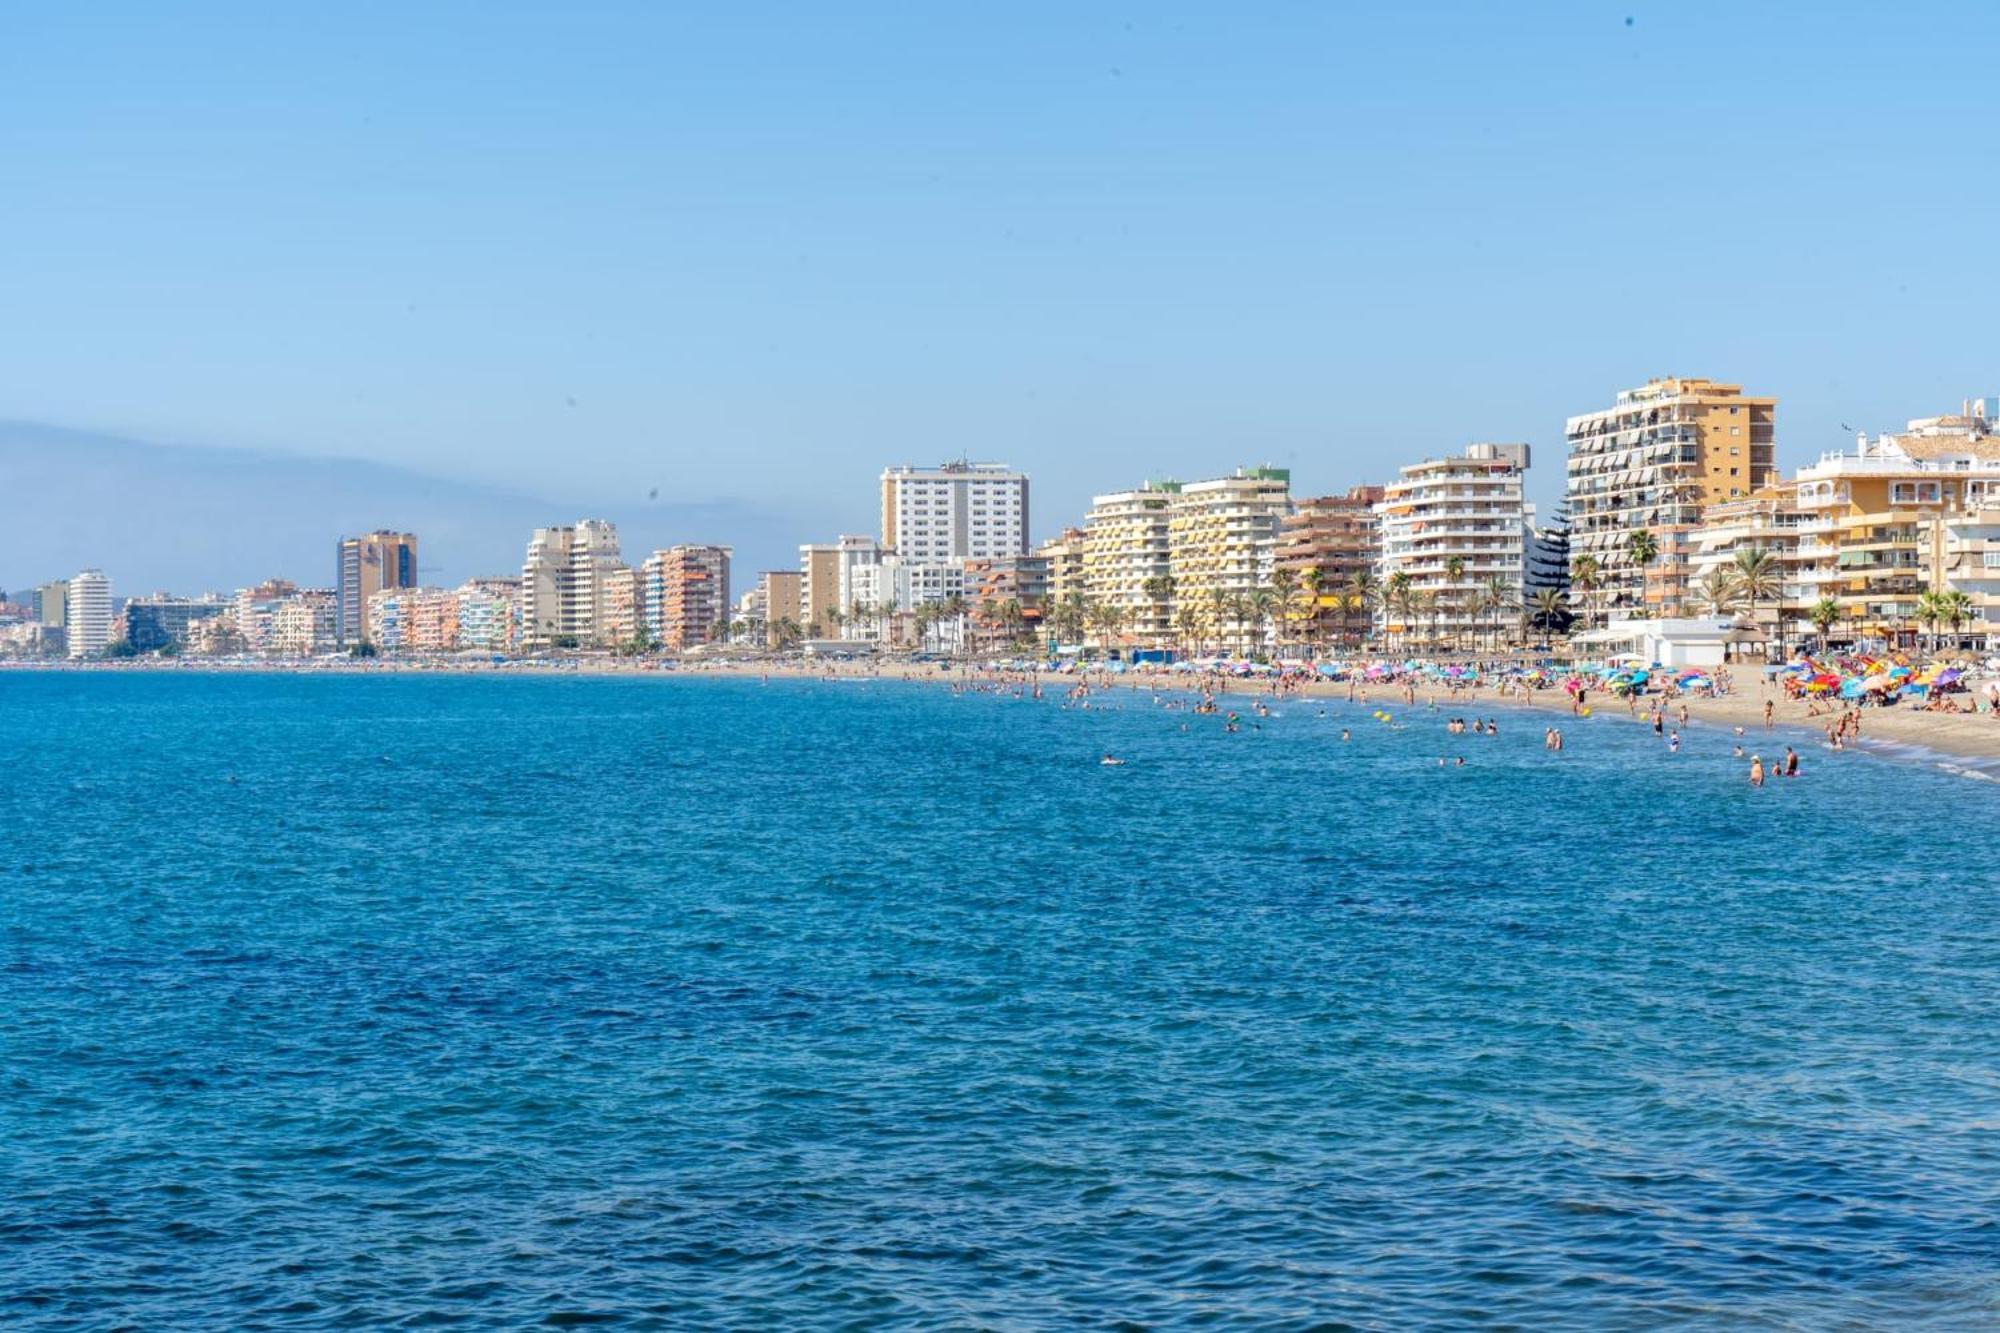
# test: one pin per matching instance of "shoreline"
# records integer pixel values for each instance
(1889, 733)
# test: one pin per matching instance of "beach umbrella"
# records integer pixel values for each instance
(1850, 689)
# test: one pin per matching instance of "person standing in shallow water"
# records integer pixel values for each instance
(1756, 770)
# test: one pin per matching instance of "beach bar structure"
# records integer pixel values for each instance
(1700, 642)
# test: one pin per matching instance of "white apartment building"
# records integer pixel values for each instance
(1904, 515)
(486, 614)
(1128, 558)
(1468, 510)
(1222, 542)
(860, 590)
(305, 623)
(566, 582)
(87, 613)
(955, 511)
(1651, 463)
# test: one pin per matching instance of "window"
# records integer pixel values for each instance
(1913, 492)
(1991, 559)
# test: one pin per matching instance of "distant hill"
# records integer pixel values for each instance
(190, 519)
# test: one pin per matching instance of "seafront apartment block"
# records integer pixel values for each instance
(1127, 559)
(1651, 463)
(1223, 543)
(955, 511)
(1454, 533)
(1326, 542)
(364, 566)
(1904, 515)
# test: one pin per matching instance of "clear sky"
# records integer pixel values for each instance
(750, 253)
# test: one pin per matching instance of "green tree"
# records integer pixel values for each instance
(1551, 610)
(1363, 595)
(1758, 577)
(1587, 577)
(1719, 590)
(1825, 614)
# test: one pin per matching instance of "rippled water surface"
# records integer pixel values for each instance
(327, 1002)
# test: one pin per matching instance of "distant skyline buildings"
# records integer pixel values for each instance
(364, 566)
(1675, 481)
(87, 613)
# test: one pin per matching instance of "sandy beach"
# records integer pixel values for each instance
(1898, 731)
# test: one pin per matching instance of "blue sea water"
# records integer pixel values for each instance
(339, 1002)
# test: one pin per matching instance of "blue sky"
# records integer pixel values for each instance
(747, 254)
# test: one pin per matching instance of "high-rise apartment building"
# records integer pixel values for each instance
(302, 624)
(624, 603)
(1223, 543)
(955, 512)
(780, 591)
(1127, 563)
(1651, 463)
(1767, 522)
(993, 586)
(819, 589)
(157, 621)
(687, 595)
(1453, 532)
(861, 594)
(488, 614)
(87, 614)
(1065, 558)
(364, 566)
(51, 603)
(1324, 543)
(565, 581)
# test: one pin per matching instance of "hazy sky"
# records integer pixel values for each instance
(751, 253)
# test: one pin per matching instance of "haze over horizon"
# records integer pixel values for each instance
(538, 266)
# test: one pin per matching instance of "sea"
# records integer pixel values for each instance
(506, 1001)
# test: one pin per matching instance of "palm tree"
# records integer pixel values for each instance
(1218, 612)
(1159, 590)
(787, 632)
(1187, 624)
(1719, 589)
(954, 608)
(1364, 593)
(1284, 582)
(1010, 617)
(1263, 605)
(1825, 614)
(1495, 596)
(1427, 606)
(1957, 607)
(1108, 620)
(1068, 616)
(1757, 577)
(1931, 612)
(1401, 600)
(1551, 609)
(1586, 576)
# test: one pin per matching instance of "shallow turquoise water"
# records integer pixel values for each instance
(337, 1001)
